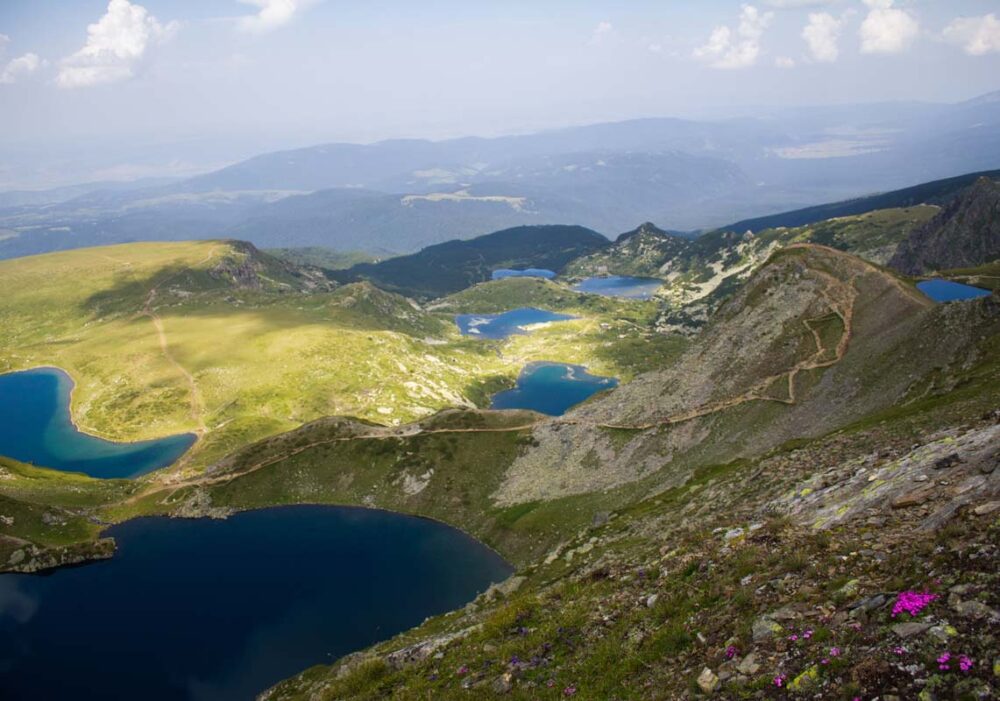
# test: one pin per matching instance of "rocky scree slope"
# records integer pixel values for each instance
(815, 340)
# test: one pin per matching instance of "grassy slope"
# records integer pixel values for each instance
(263, 360)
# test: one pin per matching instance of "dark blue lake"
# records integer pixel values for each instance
(552, 388)
(221, 610)
(36, 427)
(506, 324)
(620, 286)
(527, 272)
(948, 291)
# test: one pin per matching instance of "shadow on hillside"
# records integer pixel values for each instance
(129, 293)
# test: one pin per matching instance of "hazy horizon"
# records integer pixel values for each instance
(118, 90)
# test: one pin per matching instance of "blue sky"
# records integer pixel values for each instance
(269, 73)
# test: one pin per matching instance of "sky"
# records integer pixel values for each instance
(126, 89)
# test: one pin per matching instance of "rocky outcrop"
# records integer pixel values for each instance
(641, 252)
(965, 234)
(34, 558)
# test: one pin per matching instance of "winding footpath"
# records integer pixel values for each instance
(197, 402)
(840, 297)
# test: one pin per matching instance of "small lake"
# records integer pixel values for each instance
(220, 610)
(506, 324)
(527, 272)
(552, 388)
(620, 286)
(36, 427)
(948, 291)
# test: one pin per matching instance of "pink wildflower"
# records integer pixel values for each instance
(899, 650)
(825, 660)
(943, 661)
(965, 663)
(779, 680)
(912, 602)
(834, 652)
(569, 691)
(793, 637)
(808, 634)
(731, 652)
(463, 670)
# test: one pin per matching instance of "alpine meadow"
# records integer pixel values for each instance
(634, 352)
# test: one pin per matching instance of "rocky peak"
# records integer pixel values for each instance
(646, 229)
(965, 233)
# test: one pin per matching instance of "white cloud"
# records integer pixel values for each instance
(740, 49)
(784, 62)
(116, 45)
(602, 32)
(976, 35)
(4, 39)
(271, 15)
(821, 34)
(19, 67)
(655, 47)
(887, 29)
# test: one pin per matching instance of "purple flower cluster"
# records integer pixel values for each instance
(965, 663)
(912, 602)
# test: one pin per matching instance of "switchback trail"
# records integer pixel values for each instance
(840, 297)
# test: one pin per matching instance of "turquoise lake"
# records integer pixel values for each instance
(506, 324)
(219, 610)
(948, 291)
(527, 272)
(552, 388)
(620, 286)
(36, 427)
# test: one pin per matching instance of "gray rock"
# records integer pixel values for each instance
(503, 684)
(975, 609)
(748, 665)
(764, 628)
(908, 630)
(987, 508)
(707, 681)
(651, 600)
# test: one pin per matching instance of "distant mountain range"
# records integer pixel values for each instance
(402, 195)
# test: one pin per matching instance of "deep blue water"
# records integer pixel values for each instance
(620, 286)
(552, 388)
(527, 272)
(35, 427)
(506, 324)
(948, 291)
(220, 610)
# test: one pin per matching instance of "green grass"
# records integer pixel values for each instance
(269, 356)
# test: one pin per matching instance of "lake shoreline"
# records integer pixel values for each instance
(89, 430)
